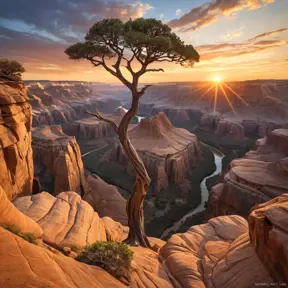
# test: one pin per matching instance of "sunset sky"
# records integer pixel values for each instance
(236, 39)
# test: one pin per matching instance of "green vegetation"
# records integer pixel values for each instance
(26, 236)
(114, 257)
(11, 68)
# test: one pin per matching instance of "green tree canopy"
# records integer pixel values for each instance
(11, 68)
(144, 40)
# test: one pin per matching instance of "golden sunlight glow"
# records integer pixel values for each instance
(219, 89)
(217, 79)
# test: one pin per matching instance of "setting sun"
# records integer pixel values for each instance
(217, 79)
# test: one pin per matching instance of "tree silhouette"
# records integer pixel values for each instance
(113, 44)
(11, 68)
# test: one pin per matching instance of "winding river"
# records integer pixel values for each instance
(204, 193)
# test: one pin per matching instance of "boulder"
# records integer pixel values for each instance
(16, 162)
(59, 156)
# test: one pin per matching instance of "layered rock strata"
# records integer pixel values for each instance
(93, 128)
(259, 177)
(57, 103)
(167, 152)
(57, 160)
(16, 160)
(217, 254)
(269, 235)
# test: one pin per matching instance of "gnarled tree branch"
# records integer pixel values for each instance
(100, 117)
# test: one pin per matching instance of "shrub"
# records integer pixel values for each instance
(114, 257)
(11, 68)
(26, 236)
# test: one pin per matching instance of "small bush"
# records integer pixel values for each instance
(114, 257)
(11, 68)
(26, 236)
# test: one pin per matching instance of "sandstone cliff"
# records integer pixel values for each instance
(259, 177)
(167, 152)
(57, 160)
(93, 128)
(16, 162)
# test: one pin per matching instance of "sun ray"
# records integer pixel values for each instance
(205, 93)
(198, 89)
(227, 98)
(215, 98)
(238, 96)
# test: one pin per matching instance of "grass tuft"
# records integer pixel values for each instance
(26, 236)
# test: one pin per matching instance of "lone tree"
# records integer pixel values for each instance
(11, 68)
(135, 45)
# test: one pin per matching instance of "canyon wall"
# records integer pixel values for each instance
(57, 160)
(260, 176)
(258, 106)
(65, 102)
(167, 152)
(16, 160)
(93, 128)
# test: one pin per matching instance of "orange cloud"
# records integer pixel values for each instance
(267, 34)
(209, 13)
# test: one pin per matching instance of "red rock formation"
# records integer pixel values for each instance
(269, 235)
(220, 253)
(259, 177)
(16, 162)
(58, 155)
(167, 152)
(106, 200)
(93, 128)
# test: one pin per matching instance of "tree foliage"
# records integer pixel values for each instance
(143, 40)
(11, 68)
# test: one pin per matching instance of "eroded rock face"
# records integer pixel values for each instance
(57, 160)
(216, 254)
(259, 177)
(106, 200)
(269, 235)
(167, 152)
(16, 160)
(56, 103)
(66, 220)
(93, 128)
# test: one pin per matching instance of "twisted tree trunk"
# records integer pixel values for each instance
(134, 206)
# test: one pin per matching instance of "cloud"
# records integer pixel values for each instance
(224, 50)
(66, 20)
(267, 34)
(161, 16)
(210, 12)
(178, 11)
(232, 34)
